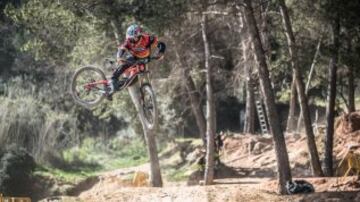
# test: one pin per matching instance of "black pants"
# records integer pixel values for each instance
(121, 69)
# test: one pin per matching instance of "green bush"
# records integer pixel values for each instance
(16, 166)
(28, 123)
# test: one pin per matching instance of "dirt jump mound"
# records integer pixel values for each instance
(347, 143)
(349, 123)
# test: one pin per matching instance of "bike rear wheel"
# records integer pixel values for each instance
(149, 106)
(85, 94)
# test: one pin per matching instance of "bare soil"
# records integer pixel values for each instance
(247, 173)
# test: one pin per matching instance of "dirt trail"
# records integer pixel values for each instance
(197, 193)
(116, 186)
(224, 190)
(247, 174)
(231, 189)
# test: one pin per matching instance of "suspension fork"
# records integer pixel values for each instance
(143, 77)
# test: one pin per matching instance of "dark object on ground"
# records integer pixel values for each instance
(201, 162)
(16, 166)
(299, 187)
(219, 143)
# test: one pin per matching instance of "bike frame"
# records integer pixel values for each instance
(131, 72)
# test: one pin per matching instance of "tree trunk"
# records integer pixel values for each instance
(311, 74)
(249, 125)
(265, 84)
(115, 32)
(312, 67)
(265, 34)
(330, 107)
(290, 124)
(155, 173)
(351, 88)
(351, 95)
(195, 99)
(210, 108)
(196, 106)
(314, 157)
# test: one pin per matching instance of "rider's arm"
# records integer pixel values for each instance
(120, 53)
(155, 43)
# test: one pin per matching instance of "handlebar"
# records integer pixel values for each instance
(140, 60)
(113, 61)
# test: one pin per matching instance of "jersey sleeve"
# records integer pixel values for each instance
(122, 49)
(153, 41)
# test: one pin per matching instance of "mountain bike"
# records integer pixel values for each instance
(90, 86)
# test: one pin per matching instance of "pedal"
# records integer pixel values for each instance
(106, 93)
(109, 97)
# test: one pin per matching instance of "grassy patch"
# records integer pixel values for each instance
(124, 162)
(94, 157)
(194, 141)
(180, 174)
(174, 168)
(176, 175)
(64, 176)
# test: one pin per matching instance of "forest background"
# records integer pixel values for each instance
(42, 43)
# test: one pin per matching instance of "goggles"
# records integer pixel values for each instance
(134, 39)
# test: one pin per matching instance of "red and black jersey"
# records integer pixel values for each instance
(140, 49)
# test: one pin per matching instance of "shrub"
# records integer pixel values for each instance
(16, 166)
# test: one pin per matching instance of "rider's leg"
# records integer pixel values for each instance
(115, 84)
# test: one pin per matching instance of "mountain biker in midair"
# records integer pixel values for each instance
(138, 46)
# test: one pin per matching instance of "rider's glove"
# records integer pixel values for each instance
(145, 60)
(160, 57)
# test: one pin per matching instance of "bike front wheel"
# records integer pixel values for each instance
(149, 106)
(88, 86)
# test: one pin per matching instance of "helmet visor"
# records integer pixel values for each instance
(134, 39)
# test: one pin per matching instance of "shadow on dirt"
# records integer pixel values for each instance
(222, 172)
(76, 165)
(344, 196)
(83, 186)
